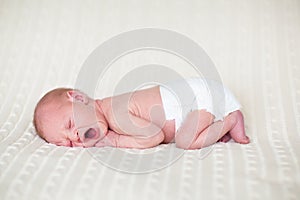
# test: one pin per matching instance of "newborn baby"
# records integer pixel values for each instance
(194, 113)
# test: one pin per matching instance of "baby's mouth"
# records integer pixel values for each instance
(91, 134)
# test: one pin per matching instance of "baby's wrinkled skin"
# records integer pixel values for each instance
(68, 117)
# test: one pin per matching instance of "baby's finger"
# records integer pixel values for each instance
(110, 140)
(100, 143)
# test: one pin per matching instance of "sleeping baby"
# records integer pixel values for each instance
(194, 113)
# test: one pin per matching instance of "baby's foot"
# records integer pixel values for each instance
(244, 140)
(238, 131)
(238, 134)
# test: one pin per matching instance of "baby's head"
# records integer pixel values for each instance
(68, 117)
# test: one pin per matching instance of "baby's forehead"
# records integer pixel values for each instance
(54, 108)
(55, 115)
(52, 104)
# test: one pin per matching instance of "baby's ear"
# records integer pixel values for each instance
(77, 96)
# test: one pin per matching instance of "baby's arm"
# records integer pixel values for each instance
(129, 124)
(125, 141)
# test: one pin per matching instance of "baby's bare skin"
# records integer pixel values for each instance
(137, 117)
(132, 120)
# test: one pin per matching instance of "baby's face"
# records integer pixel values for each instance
(74, 121)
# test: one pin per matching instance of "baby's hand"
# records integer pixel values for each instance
(110, 140)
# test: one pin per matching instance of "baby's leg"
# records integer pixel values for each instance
(238, 131)
(214, 132)
(233, 124)
(194, 123)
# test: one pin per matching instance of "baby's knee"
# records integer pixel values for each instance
(187, 145)
(234, 118)
(238, 115)
(202, 118)
(182, 145)
(184, 142)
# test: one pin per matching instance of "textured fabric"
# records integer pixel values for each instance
(255, 46)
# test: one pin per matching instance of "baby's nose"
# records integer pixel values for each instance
(74, 136)
(75, 139)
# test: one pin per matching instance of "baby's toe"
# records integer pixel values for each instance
(245, 140)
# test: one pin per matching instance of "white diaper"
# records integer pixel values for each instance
(181, 97)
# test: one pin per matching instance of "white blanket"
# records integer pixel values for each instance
(255, 46)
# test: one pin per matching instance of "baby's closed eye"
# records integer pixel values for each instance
(70, 124)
